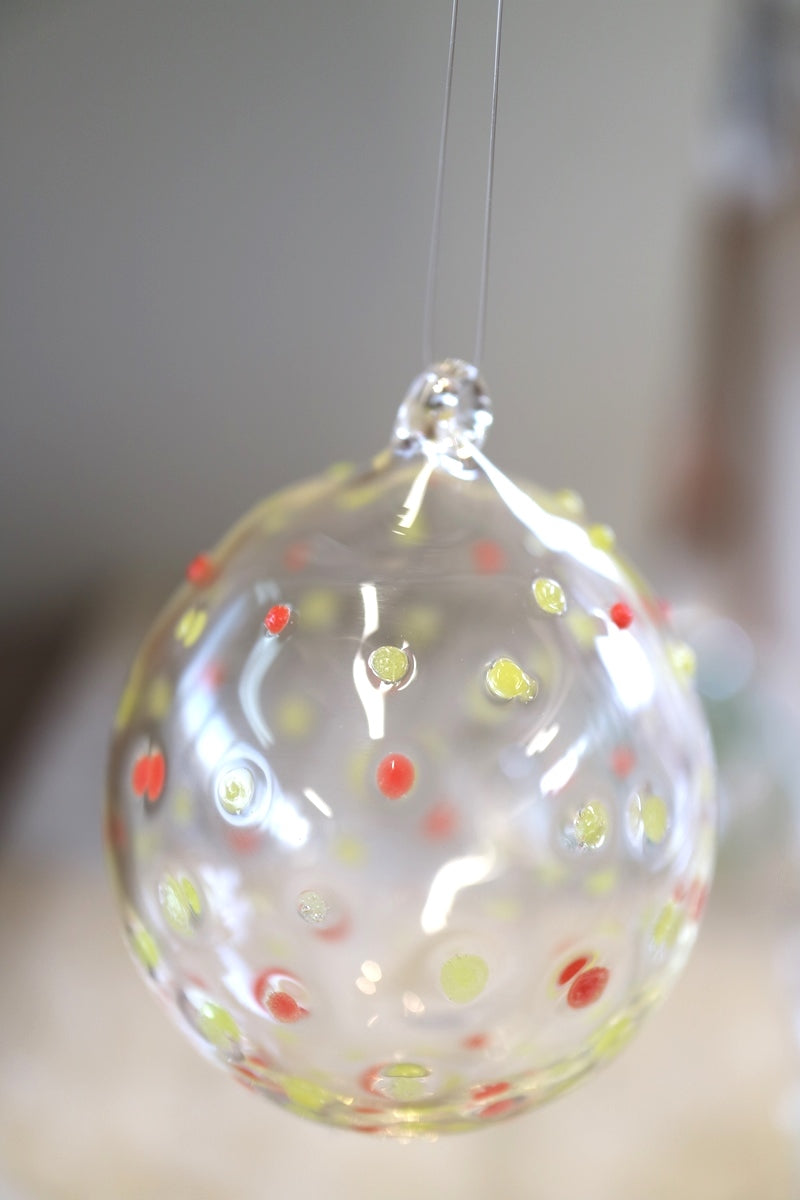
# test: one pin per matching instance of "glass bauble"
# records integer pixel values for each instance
(411, 803)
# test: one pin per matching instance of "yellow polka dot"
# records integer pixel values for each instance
(339, 471)
(421, 624)
(278, 947)
(190, 626)
(706, 782)
(434, 742)
(601, 882)
(285, 1035)
(145, 843)
(405, 1070)
(235, 790)
(668, 925)
(350, 851)
(610, 1038)
(357, 765)
(503, 908)
(179, 902)
(569, 503)
(683, 661)
(295, 717)
(190, 895)
(217, 1025)
(637, 582)
(591, 825)
(405, 1090)
(550, 874)
(305, 1094)
(318, 610)
(550, 597)
(389, 663)
(463, 977)
(507, 680)
(129, 699)
(273, 517)
(297, 495)
(584, 628)
(126, 708)
(451, 1082)
(602, 537)
(655, 818)
(353, 498)
(159, 698)
(182, 806)
(144, 947)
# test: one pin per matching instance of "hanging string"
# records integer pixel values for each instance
(433, 256)
(483, 294)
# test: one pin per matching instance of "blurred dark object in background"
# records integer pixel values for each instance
(35, 648)
(720, 492)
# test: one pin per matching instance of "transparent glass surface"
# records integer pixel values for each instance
(411, 802)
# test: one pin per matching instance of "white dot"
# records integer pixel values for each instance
(312, 907)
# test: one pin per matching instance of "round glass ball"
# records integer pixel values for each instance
(411, 801)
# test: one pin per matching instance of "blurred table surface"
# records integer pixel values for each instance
(101, 1098)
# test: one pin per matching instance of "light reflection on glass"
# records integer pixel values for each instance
(285, 823)
(372, 701)
(237, 977)
(556, 533)
(369, 598)
(215, 740)
(231, 906)
(258, 662)
(414, 499)
(629, 669)
(448, 881)
(558, 776)
(318, 802)
(542, 739)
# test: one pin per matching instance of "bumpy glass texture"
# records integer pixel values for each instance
(411, 803)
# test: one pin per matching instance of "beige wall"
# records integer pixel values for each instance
(213, 229)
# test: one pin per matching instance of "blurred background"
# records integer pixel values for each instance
(214, 223)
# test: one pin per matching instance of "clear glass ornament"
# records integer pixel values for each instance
(411, 802)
